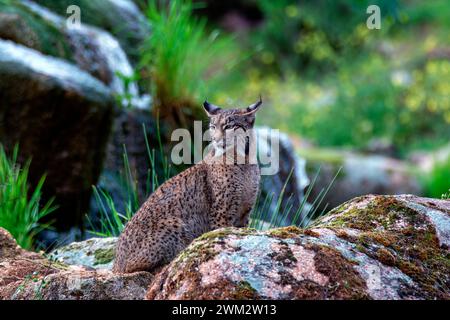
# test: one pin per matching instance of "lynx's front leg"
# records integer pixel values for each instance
(227, 211)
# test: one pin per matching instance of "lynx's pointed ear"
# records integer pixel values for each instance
(251, 109)
(210, 108)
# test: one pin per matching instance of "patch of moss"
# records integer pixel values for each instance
(244, 291)
(103, 256)
(344, 235)
(311, 233)
(286, 232)
(221, 233)
(200, 251)
(386, 257)
(344, 281)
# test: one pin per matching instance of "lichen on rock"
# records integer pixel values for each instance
(97, 253)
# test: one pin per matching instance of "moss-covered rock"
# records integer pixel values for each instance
(246, 264)
(409, 233)
(95, 253)
(373, 247)
(121, 18)
(18, 23)
(34, 27)
(30, 276)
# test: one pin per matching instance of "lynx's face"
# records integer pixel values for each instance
(231, 127)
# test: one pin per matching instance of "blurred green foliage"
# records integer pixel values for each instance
(299, 34)
(328, 78)
(322, 73)
(437, 182)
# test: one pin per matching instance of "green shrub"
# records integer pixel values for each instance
(20, 210)
(183, 60)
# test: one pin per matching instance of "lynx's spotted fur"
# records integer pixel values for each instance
(212, 194)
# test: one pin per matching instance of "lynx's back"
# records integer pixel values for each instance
(212, 194)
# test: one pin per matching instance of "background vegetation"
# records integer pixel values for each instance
(323, 74)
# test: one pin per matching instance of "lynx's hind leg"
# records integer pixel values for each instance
(153, 249)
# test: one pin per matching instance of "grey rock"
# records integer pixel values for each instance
(61, 117)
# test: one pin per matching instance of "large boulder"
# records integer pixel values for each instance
(30, 276)
(122, 18)
(90, 48)
(20, 25)
(373, 247)
(360, 174)
(61, 117)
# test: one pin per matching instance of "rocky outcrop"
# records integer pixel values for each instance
(30, 276)
(20, 25)
(373, 247)
(360, 174)
(61, 117)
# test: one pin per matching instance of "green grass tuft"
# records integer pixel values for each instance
(183, 60)
(20, 210)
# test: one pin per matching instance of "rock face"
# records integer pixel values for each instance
(360, 174)
(90, 48)
(122, 18)
(61, 117)
(26, 275)
(373, 247)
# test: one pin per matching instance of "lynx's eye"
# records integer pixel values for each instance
(227, 126)
(212, 127)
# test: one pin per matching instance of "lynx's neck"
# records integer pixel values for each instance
(242, 152)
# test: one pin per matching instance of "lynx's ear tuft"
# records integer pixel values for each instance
(251, 109)
(210, 108)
